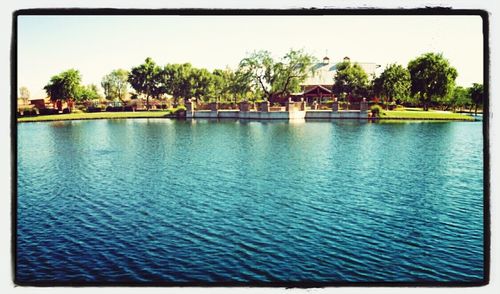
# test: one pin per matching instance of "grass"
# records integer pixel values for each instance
(430, 115)
(391, 114)
(97, 115)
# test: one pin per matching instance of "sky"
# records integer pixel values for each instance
(96, 45)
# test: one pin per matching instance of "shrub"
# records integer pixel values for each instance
(114, 108)
(48, 111)
(94, 109)
(376, 110)
(66, 111)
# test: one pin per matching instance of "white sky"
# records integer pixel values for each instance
(95, 45)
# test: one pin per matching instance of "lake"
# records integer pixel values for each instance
(158, 200)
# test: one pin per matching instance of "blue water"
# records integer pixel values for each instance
(150, 200)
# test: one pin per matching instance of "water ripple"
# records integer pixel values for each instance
(157, 200)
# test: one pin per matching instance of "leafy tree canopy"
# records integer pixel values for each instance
(115, 84)
(350, 80)
(477, 95)
(64, 86)
(394, 83)
(24, 93)
(432, 77)
(87, 93)
(145, 79)
(279, 77)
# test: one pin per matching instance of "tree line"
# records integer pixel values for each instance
(428, 80)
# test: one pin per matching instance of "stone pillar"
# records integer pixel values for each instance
(314, 106)
(189, 105)
(244, 106)
(264, 106)
(335, 105)
(290, 105)
(363, 106)
(302, 104)
(214, 106)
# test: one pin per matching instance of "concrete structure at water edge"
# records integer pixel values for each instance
(263, 111)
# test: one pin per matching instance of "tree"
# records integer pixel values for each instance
(460, 97)
(64, 86)
(176, 79)
(350, 80)
(202, 84)
(240, 84)
(277, 78)
(477, 95)
(394, 83)
(115, 84)
(145, 79)
(222, 82)
(432, 77)
(87, 93)
(24, 93)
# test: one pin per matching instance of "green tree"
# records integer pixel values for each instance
(460, 97)
(87, 93)
(432, 77)
(477, 95)
(222, 81)
(202, 84)
(24, 93)
(240, 84)
(277, 78)
(146, 79)
(177, 80)
(64, 86)
(394, 83)
(350, 80)
(115, 85)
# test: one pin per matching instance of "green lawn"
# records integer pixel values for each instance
(396, 114)
(97, 115)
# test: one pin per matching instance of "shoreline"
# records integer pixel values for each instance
(169, 115)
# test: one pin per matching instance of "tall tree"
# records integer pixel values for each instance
(202, 84)
(432, 77)
(222, 81)
(240, 84)
(87, 93)
(64, 86)
(145, 79)
(176, 79)
(350, 80)
(460, 97)
(394, 83)
(277, 78)
(477, 95)
(24, 93)
(115, 84)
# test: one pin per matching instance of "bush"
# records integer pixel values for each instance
(376, 110)
(94, 109)
(114, 108)
(66, 111)
(48, 111)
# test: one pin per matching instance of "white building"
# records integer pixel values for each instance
(325, 71)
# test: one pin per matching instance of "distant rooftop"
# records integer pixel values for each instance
(324, 71)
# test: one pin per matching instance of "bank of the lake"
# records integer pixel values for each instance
(97, 115)
(400, 115)
(425, 115)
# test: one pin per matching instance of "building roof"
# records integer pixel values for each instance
(318, 88)
(324, 73)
